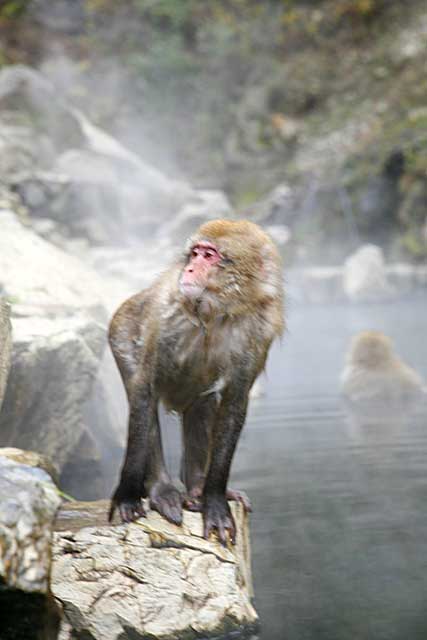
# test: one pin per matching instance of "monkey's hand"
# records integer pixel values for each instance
(167, 500)
(217, 517)
(129, 505)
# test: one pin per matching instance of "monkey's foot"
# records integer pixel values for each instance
(217, 517)
(167, 500)
(129, 509)
(239, 496)
(193, 499)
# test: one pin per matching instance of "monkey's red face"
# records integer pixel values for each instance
(203, 260)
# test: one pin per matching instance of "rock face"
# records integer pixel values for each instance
(70, 172)
(5, 346)
(54, 365)
(59, 399)
(150, 578)
(28, 504)
(31, 459)
(39, 278)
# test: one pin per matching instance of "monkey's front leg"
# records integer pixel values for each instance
(128, 494)
(144, 472)
(216, 512)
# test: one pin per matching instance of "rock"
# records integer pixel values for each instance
(36, 123)
(364, 276)
(149, 578)
(54, 365)
(378, 200)
(59, 284)
(280, 207)
(5, 346)
(76, 411)
(67, 169)
(205, 206)
(316, 284)
(31, 459)
(28, 504)
(280, 233)
(326, 284)
(286, 127)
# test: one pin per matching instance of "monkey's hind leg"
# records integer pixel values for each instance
(198, 425)
(164, 496)
(197, 422)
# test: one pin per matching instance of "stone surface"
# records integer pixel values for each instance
(39, 278)
(55, 363)
(68, 170)
(5, 346)
(63, 395)
(326, 284)
(31, 459)
(28, 504)
(204, 206)
(315, 284)
(364, 276)
(150, 578)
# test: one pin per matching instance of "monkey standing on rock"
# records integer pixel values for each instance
(196, 340)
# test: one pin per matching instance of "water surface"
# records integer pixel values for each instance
(339, 527)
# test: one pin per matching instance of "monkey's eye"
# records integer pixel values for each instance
(210, 254)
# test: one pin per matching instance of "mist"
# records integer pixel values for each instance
(124, 127)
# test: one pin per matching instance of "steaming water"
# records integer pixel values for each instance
(339, 523)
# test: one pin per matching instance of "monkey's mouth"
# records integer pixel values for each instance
(191, 290)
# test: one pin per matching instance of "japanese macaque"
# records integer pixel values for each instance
(196, 341)
(376, 384)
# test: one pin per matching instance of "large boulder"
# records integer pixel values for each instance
(68, 170)
(31, 459)
(5, 345)
(149, 579)
(39, 278)
(61, 395)
(365, 276)
(204, 206)
(28, 504)
(54, 365)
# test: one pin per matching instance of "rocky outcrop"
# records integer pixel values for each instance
(150, 578)
(40, 279)
(326, 284)
(365, 276)
(5, 346)
(31, 459)
(54, 366)
(78, 181)
(28, 504)
(59, 399)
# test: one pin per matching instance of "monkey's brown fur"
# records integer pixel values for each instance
(375, 380)
(199, 356)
